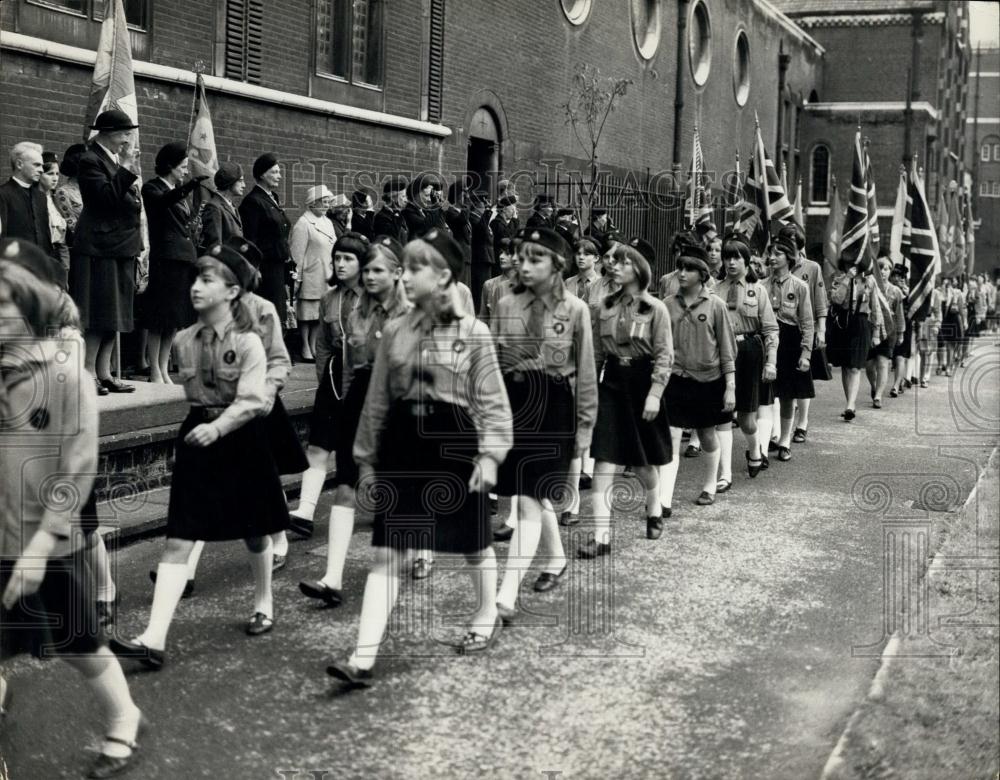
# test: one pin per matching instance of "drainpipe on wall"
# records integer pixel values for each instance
(682, 14)
(784, 60)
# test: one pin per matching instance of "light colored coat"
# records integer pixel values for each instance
(311, 246)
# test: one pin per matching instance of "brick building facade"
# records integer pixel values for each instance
(983, 156)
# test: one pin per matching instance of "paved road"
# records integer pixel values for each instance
(723, 650)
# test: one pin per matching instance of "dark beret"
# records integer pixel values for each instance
(508, 200)
(263, 164)
(390, 243)
(597, 212)
(542, 199)
(547, 238)
(49, 157)
(245, 273)
(169, 157)
(396, 183)
(246, 248)
(448, 248)
(613, 237)
(352, 243)
(71, 159)
(228, 174)
(645, 249)
(31, 257)
(693, 252)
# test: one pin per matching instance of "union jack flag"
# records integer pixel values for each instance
(924, 251)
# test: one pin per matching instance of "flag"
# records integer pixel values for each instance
(764, 191)
(833, 234)
(784, 177)
(899, 218)
(202, 156)
(925, 252)
(874, 240)
(970, 229)
(797, 214)
(856, 229)
(113, 84)
(952, 264)
(734, 199)
(699, 202)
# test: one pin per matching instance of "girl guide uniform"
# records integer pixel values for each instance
(545, 345)
(792, 305)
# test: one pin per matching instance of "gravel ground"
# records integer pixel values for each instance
(737, 646)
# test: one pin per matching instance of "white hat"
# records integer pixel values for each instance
(317, 193)
(340, 202)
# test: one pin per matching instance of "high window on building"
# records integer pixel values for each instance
(646, 26)
(819, 175)
(78, 22)
(349, 40)
(741, 68)
(700, 42)
(576, 11)
(244, 40)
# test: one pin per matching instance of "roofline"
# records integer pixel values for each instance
(860, 19)
(773, 12)
(873, 106)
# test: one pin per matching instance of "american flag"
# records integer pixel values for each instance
(924, 251)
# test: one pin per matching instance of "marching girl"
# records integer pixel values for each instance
(854, 317)
(633, 350)
(950, 334)
(701, 394)
(880, 355)
(225, 481)
(382, 301)
(335, 308)
(546, 350)
(792, 305)
(902, 353)
(927, 331)
(496, 288)
(756, 331)
(436, 407)
(48, 603)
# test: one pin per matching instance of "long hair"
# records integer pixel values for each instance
(37, 301)
(736, 247)
(644, 274)
(422, 254)
(244, 320)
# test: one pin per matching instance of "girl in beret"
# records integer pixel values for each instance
(381, 301)
(225, 483)
(435, 428)
(544, 340)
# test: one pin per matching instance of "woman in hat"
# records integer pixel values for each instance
(220, 219)
(701, 393)
(267, 226)
(792, 305)
(48, 601)
(544, 340)
(225, 482)
(58, 227)
(332, 371)
(172, 256)
(854, 316)
(339, 215)
(67, 195)
(381, 301)
(756, 331)
(633, 350)
(388, 221)
(311, 246)
(436, 406)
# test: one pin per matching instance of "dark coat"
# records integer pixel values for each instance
(363, 223)
(482, 240)
(24, 214)
(220, 220)
(535, 219)
(109, 225)
(265, 224)
(172, 256)
(387, 222)
(501, 230)
(420, 222)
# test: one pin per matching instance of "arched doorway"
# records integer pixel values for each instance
(483, 157)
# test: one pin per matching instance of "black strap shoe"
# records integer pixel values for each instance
(654, 527)
(147, 656)
(705, 499)
(753, 470)
(350, 674)
(301, 525)
(111, 766)
(547, 581)
(593, 549)
(784, 454)
(113, 385)
(569, 518)
(503, 534)
(322, 592)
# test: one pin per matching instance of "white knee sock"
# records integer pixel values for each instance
(551, 543)
(484, 585)
(261, 564)
(121, 716)
(765, 423)
(668, 473)
(588, 464)
(193, 558)
(523, 545)
(803, 410)
(312, 485)
(575, 467)
(753, 447)
(279, 543)
(339, 541)
(601, 503)
(725, 438)
(170, 581)
(511, 520)
(381, 591)
(712, 468)
(694, 441)
(100, 562)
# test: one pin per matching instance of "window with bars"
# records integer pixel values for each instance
(435, 61)
(244, 40)
(349, 40)
(78, 22)
(136, 11)
(819, 175)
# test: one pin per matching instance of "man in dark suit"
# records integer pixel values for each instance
(107, 242)
(24, 211)
(388, 221)
(506, 223)
(544, 213)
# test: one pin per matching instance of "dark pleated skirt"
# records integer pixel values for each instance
(88, 514)
(167, 304)
(60, 618)
(848, 338)
(228, 490)
(544, 417)
(103, 289)
(284, 442)
(621, 436)
(694, 404)
(951, 328)
(347, 429)
(905, 349)
(790, 382)
(882, 349)
(327, 409)
(820, 366)
(421, 498)
(749, 367)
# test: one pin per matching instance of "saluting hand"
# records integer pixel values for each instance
(651, 408)
(202, 435)
(729, 399)
(484, 476)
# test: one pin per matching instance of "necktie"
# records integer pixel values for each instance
(733, 296)
(586, 290)
(207, 364)
(536, 327)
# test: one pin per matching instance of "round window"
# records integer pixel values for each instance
(741, 68)
(700, 43)
(576, 11)
(646, 26)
